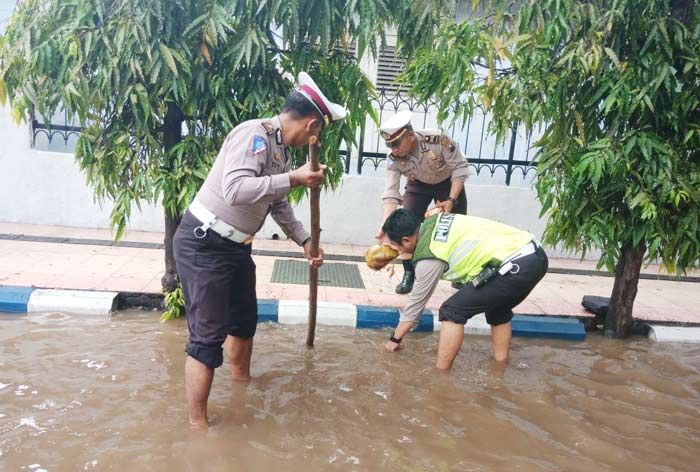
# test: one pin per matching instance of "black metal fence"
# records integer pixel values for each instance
(481, 150)
(59, 134)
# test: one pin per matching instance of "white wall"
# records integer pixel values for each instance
(40, 187)
(351, 214)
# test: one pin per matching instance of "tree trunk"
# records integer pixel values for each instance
(618, 322)
(172, 134)
(169, 280)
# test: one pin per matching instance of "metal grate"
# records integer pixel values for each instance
(330, 274)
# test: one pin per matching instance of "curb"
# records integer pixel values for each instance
(79, 302)
(15, 299)
(85, 302)
(674, 334)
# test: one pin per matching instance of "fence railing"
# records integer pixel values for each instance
(480, 148)
(60, 133)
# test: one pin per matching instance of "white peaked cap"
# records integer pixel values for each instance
(394, 127)
(330, 111)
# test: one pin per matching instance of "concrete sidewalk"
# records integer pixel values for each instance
(87, 259)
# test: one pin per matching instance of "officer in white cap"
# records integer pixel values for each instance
(250, 178)
(435, 169)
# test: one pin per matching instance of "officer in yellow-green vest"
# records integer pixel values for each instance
(498, 264)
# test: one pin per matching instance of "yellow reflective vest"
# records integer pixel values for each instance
(466, 243)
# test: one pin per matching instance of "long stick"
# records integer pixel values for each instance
(314, 151)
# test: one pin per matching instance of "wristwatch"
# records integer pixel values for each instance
(453, 200)
(395, 340)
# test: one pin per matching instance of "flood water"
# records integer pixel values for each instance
(108, 394)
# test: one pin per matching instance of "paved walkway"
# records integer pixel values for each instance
(77, 258)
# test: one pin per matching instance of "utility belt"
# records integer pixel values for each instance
(212, 222)
(494, 266)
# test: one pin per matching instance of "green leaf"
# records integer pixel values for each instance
(71, 89)
(3, 92)
(613, 57)
(168, 57)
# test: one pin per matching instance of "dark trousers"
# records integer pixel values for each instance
(218, 281)
(418, 195)
(500, 295)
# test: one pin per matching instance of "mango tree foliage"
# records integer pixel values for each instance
(616, 87)
(158, 84)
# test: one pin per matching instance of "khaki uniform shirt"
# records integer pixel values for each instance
(250, 178)
(435, 159)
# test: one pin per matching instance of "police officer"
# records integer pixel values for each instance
(500, 265)
(250, 178)
(435, 169)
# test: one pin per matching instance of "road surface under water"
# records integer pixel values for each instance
(80, 393)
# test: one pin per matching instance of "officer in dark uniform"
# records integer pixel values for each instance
(435, 169)
(250, 178)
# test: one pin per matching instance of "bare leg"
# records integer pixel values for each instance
(451, 337)
(500, 340)
(198, 378)
(238, 352)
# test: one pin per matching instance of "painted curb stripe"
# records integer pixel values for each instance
(548, 327)
(382, 317)
(76, 302)
(476, 326)
(267, 311)
(674, 334)
(327, 313)
(27, 299)
(529, 327)
(14, 299)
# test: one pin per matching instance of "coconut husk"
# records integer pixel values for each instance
(378, 256)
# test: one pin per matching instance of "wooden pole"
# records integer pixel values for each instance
(314, 151)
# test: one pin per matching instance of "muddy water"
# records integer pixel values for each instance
(108, 395)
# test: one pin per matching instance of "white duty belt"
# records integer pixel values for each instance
(211, 221)
(508, 266)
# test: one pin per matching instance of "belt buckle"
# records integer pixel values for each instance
(203, 232)
(248, 240)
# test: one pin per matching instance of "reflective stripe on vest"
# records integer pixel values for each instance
(466, 243)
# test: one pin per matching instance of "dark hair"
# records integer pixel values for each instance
(401, 223)
(298, 106)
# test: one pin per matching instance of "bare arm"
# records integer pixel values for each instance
(428, 272)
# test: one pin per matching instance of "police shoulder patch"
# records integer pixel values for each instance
(447, 143)
(259, 145)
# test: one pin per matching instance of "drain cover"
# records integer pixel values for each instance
(333, 274)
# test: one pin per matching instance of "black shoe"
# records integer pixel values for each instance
(458, 285)
(406, 284)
